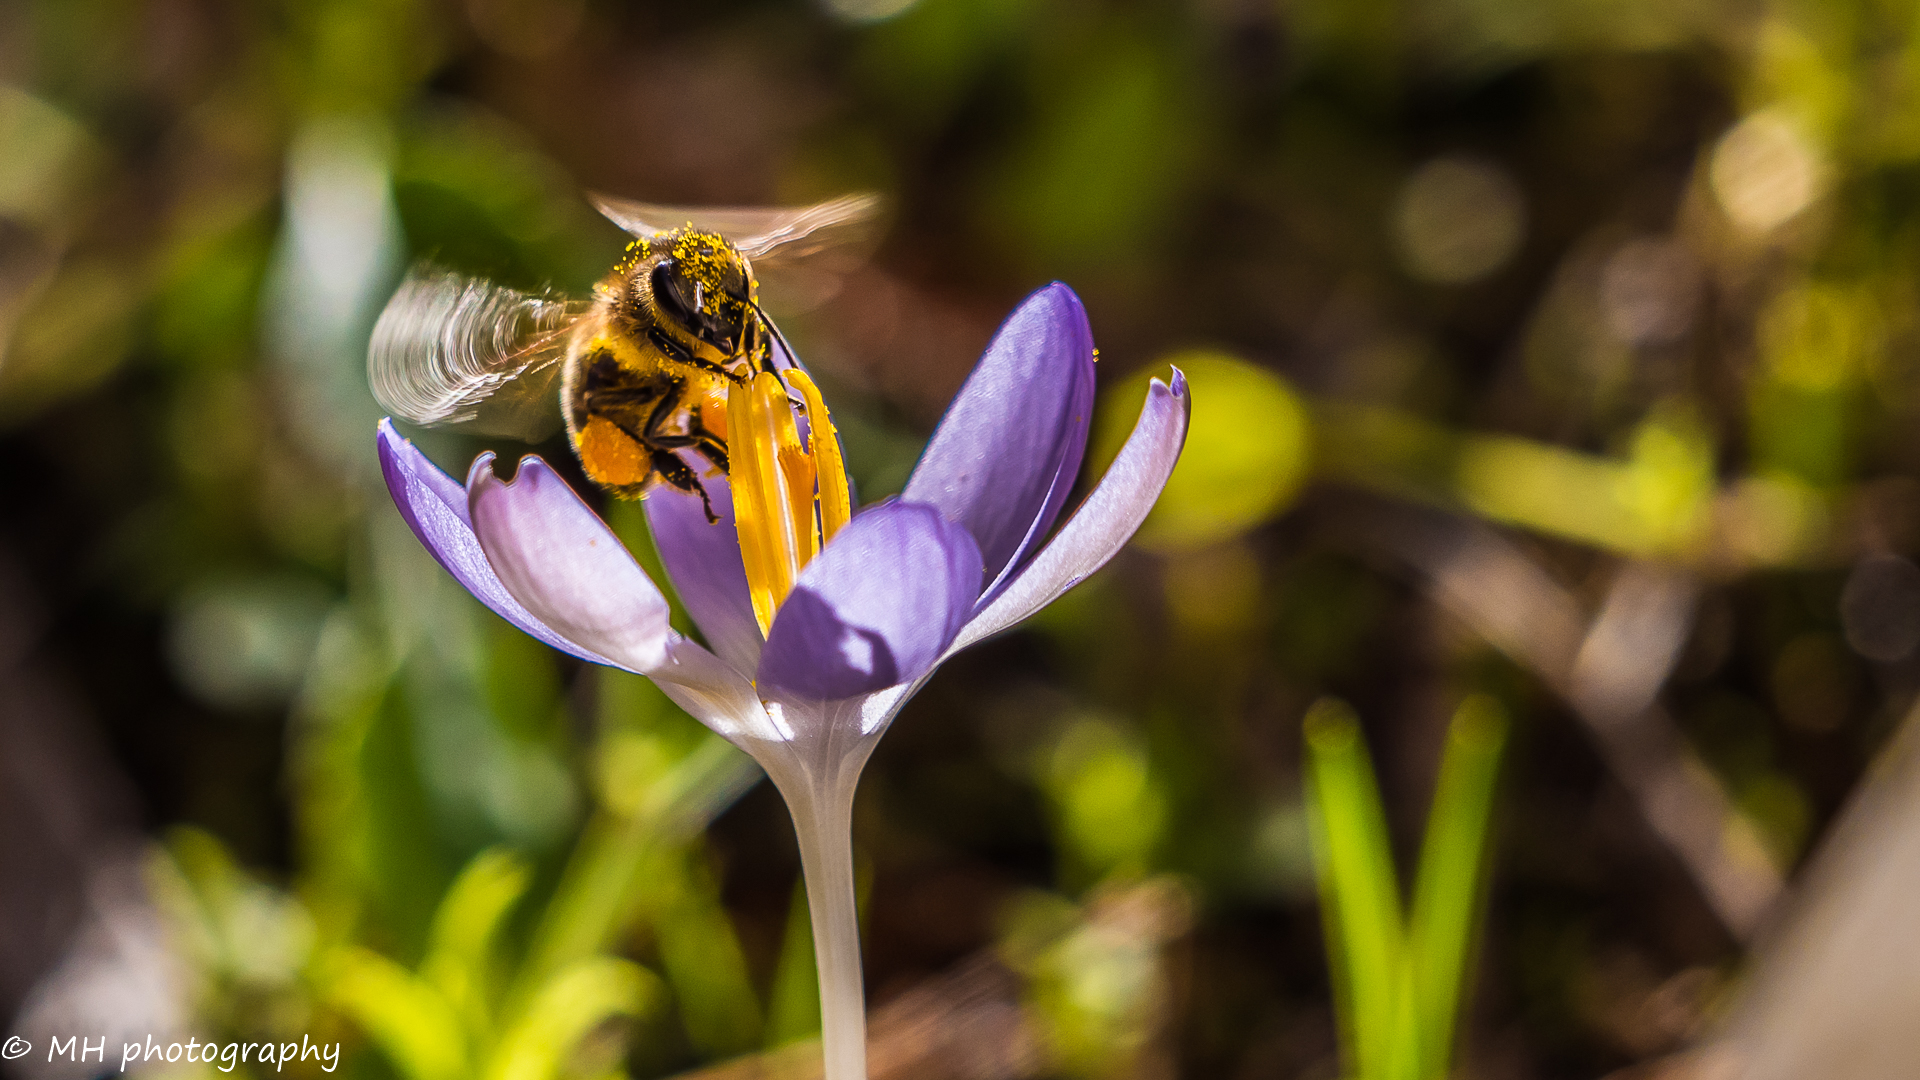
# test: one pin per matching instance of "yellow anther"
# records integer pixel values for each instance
(788, 498)
(836, 504)
(796, 468)
(775, 432)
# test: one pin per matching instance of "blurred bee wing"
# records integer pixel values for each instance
(450, 349)
(800, 254)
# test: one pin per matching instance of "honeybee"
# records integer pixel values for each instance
(642, 367)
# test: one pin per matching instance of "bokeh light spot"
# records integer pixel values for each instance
(1245, 457)
(1102, 785)
(1458, 219)
(40, 149)
(867, 11)
(1764, 172)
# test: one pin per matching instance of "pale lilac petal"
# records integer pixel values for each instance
(565, 566)
(817, 739)
(434, 506)
(1004, 457)
(877, 607)
(720, 697)
(1105, 522)
(703, 560)
(878, 710)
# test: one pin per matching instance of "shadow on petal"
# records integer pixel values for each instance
(839, 658)
(877, 607)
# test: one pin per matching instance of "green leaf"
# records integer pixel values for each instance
(462, 941)
(1398, 987)
(565, 1010)
(411, 1021)
(596, 896)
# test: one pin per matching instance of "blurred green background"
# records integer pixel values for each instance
(1561, 352)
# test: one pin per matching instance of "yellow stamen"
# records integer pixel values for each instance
(750, 511)
(776, 439)
(836, 504)
(796, 468)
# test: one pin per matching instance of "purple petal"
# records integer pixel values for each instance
(1106, 521)
(1004, 457)
(565, 566)
(877, 607)
(704, 562)
(435, 508)
(1056, 496)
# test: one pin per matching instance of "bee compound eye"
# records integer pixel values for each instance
(670, 292)
(682, 298)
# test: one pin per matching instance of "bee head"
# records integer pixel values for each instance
(705, 285)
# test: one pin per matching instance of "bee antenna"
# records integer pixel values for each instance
(778, 337)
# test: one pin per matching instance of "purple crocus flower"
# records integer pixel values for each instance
(807, 679)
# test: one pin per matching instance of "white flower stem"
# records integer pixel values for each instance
(823, 821)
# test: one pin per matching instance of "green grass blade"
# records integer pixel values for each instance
(701, 954)
(1360, 896)
(1447, 894)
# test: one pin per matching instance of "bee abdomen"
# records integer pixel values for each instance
(609, 384)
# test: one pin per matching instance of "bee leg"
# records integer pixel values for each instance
(655, 432)
(697, 438)
(678, 474)
(713, 450)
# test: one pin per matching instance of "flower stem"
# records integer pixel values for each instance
(823, 821)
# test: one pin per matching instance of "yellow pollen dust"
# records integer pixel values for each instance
(789, 497)
(636, 251)
(700, 257)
